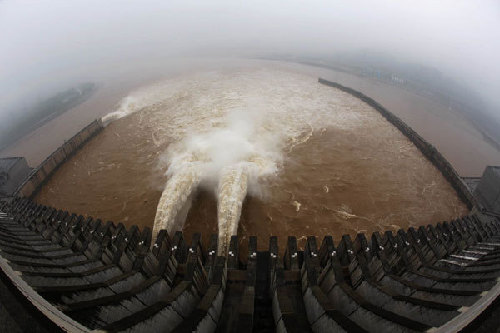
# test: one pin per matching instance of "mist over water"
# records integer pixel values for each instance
(229, 132)
(262, 142)
(49, 46)
(227, 137)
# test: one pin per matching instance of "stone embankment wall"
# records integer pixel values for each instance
(426, 148)
(44, 171)
(487, 190)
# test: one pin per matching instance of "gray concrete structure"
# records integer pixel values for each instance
(471, 183)
(13, 171)
(428, 150)
(30, 185)
(488, 190)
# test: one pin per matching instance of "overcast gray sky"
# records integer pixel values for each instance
(44, 43)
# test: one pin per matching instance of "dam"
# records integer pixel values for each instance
(85, 274)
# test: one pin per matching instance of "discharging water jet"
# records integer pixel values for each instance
(226, 158)
(233, 186)
(176, 198)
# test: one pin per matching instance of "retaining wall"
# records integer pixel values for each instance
(46, 169)
(426, 148)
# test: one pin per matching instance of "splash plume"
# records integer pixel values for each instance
(228, 133)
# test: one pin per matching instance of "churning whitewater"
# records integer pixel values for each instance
(279, 153)
(252, 151)
(229, 133)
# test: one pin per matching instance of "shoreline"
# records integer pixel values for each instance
(427, 149)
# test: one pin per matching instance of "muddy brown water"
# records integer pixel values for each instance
(338, 182)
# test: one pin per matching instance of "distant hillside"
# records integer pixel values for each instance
(25, 121)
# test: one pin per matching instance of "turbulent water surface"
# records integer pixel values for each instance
(255, 151)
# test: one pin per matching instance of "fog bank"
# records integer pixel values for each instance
(45, 46)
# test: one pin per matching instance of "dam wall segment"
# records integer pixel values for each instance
(427, 149)
(39, 175)
(85, 275)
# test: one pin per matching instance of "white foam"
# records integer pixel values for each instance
(230, 131)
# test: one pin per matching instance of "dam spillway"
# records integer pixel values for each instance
(95, 275)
